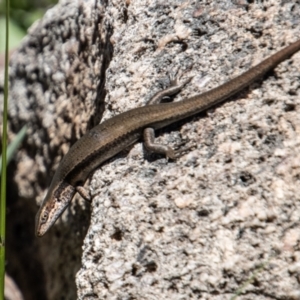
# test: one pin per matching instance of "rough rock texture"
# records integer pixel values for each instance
(198, 227)
(57, 79)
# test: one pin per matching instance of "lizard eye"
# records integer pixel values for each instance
(44, 217)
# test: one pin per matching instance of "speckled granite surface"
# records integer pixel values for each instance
(195, 228)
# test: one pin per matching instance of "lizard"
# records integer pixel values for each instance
(117, 133)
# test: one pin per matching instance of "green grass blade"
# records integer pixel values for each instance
(3, 171)
(250, 280)
(13, 146)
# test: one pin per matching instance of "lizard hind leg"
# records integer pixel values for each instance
(174, 87)
(150, 145)
(149, 135)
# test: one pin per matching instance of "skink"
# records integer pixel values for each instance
(112, 136)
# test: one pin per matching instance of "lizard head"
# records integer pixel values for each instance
(56, 201)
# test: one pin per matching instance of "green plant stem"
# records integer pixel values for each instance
(3, 171)
(251, 279)
(13, 146)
